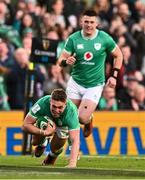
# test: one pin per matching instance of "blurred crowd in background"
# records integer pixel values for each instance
(22, 20)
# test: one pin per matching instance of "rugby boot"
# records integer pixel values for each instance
(39, 150)
(49, 160)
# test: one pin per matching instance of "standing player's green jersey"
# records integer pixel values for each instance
(68, 119)
(90, 54)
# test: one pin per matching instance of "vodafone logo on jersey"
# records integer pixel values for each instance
(88, 56)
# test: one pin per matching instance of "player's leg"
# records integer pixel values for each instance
(56, 147)
(40, 143)
(86, 109)
(88, 106)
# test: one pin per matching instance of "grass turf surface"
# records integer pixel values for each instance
(89, 167)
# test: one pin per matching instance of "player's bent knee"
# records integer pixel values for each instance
(83, 119)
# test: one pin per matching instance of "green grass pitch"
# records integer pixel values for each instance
(89, 167)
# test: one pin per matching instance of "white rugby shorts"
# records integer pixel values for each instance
(75, 91)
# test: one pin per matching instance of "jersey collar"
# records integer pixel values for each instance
(87, 38)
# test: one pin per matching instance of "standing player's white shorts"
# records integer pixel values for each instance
(75, 91)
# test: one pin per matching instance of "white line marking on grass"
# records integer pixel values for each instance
(112, 157)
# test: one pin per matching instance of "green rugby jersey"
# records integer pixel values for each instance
(89, 68)
(68, 119)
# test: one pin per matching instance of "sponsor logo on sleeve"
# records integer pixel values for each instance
(80, 46)
(36, 108)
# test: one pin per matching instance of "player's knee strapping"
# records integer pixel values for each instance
(56, 153)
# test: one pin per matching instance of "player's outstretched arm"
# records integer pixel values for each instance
(75, 139)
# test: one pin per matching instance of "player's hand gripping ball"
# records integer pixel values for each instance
(47, 125)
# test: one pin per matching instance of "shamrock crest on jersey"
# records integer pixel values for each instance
(97, 46)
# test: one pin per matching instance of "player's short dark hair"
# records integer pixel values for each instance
(89, 12)
(59, 95)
